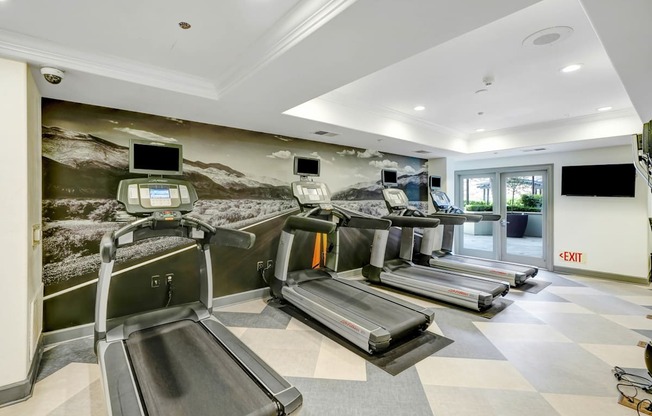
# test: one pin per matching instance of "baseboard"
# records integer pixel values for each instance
(22, 390)
(86, 330)
(67, 334)
(601, 275)
(262, 293)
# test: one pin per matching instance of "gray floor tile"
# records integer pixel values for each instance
(469, 341)
(606, 304)
(553, 367)
(556, 279)
(590, 328)
(381, 394)
(458, 401)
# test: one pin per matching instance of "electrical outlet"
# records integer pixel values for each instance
(156, 280)
(169, 277)
(270, 263)
(259, 266)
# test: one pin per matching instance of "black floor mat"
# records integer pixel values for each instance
(533, 286)
(498, 306)
(399, 357)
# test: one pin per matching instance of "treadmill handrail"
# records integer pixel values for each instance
(313, 225)
(186, 227)
(449, 219)
(413, 222)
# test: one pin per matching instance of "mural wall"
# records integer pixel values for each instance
(243, 181)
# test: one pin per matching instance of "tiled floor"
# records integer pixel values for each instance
(549, 353)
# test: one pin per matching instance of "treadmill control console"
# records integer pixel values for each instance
(395, 199)
(143, 196)
(308, 193)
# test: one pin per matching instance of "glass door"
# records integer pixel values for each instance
(523, 230)
(476, 193)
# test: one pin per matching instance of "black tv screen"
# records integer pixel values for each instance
(435, 182)
(599, 180)
(389, 177)
(155, 158)
(305, 166)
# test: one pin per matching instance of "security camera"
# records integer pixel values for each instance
(52, 75)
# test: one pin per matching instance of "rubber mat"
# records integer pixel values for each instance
(532, 286)
(398, 358)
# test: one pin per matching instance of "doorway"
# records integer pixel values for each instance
(522, 198)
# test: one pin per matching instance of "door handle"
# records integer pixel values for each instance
(504, 222)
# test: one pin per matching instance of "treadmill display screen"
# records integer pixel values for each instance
(389, 177)
(159, 193)
(304, 166)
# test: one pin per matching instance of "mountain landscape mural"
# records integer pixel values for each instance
(242, 178)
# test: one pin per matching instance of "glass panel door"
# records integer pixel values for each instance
(476, 194)
(523, 223)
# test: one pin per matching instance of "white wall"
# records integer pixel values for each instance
(20, 185)
(612, 232)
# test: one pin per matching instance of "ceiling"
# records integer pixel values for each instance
(355, 68)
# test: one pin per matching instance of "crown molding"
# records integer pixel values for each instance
(304, 18)
(40, 52)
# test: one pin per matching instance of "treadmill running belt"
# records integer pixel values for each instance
(182, 370)
(396, 319)
(450, 280)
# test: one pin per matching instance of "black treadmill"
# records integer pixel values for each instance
(178, 360)
(513, 273)
(471, 292)
(365, 317)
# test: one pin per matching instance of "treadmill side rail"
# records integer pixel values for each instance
(122, 398)
(285, 394)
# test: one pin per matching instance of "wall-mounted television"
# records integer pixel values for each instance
(435, 182)
(155, 158)
(306, 166)
(617, 180)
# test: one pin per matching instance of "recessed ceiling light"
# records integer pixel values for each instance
(419, 108)
(548, 36)
(605, 108)
(184, 25)
(479, 130)
(571, 68)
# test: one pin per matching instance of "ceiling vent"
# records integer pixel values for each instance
(325, 133)
(538, 149)
(422, 152)
(548, 36)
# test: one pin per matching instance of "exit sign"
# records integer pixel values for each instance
(573, 256)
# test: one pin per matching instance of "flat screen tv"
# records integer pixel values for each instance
(435, 182)
(154, 158)
(389, 177)
(599, 180)
(306, 166)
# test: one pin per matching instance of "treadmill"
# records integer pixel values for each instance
(513, 273)
(365, 317)
(179, 360)
(471, 292)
